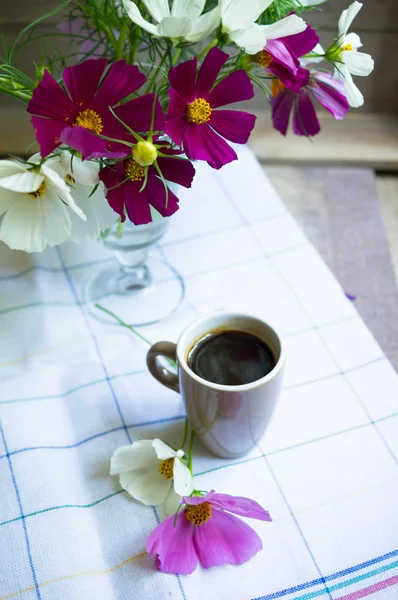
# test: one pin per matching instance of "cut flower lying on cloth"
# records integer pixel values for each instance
(203, 529)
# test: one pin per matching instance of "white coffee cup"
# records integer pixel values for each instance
(229, 419)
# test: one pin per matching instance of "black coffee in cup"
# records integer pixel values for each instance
(231, 358)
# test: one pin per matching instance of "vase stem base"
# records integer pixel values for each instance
(139, 296)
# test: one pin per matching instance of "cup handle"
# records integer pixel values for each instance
(159, 372)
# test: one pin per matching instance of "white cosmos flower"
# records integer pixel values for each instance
(153, 473)
(35, 202)
(239, 18)
(349, 61)
(82, 176)
(184, 22)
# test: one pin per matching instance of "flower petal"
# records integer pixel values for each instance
(137, 204)
(353, 39)
(209, 71)
(183, 480)
(354, 96)
(132, 10)
(224, 539)
(163, 451)
(138, 455)
(252, 39)
(48, 133)
(172, 546)
(100, 216)
(33, 223)
(15, 177)
(174, 28)
(84, 141)
(187, 8)
(84, 172)
(82, 80)
(50, 100)
(203, 26)
(61, 189)
(281, 108)
(240, 14)
(147, 486)
(158, 9)
(281, 53)
(202, 143)
(303, 42)
(358, 63)
(182, 79)
(234, 125)
(156, 196)
(137, 114)
(177, 170)
(330, 93)
(305, 120)
(120, 81)
(244, 507)
(347, 17)
(172, 502)
(195, 500)
(290, 25)
(7, 199)
(233, 88)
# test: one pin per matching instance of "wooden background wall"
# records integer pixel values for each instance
(377, 24)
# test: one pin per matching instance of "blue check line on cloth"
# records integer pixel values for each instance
(221, 467)
(57, 304)
(309, 584)
(295, 520)
(306, 312)
(25, 529)
(100, 261)
(114, 396)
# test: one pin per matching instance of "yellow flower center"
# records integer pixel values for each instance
(347, 48)
(38, 193)
(263, 58)
(133, 170)
(166, 468)
(70, 179)
(197, 514)
(89, 119)
(199, 111)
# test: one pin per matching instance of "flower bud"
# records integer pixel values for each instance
(145, 153)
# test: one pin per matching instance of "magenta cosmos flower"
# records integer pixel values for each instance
(193, 122)
(206, 532)
(124, 181)
(313, 85)
(280, 57)
(72, 115)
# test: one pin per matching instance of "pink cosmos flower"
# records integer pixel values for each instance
(74, 115)
(125, 179)
(280, 57)
(317, 85)
(193, 122)
(206, 532)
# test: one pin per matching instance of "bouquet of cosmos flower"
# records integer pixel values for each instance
(147, 99)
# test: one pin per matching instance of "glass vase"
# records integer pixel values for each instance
(137, 287)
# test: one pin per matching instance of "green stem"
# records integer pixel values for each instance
(176, 56)
(120, 228)
(121, 322)
(135, 46)
(120, 42)
(184, 441)
(208, 47)
(190, 452)
(152, 83)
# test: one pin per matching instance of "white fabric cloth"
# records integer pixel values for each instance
(73, 390)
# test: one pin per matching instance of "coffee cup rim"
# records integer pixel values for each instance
(227, 316)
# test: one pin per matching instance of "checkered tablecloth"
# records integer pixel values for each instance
(73, 390)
